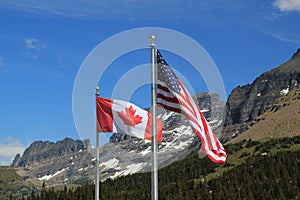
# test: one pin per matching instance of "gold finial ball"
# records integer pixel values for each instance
(97, 88)
(152, 38)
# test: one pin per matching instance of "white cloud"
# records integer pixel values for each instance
(34, 43)
(287, 5)
(34, 47)
(284, 38)
(8, 150)
(114, 9)
(119, 9)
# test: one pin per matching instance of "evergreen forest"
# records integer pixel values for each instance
(254, 170)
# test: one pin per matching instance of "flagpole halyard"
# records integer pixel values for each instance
(154, 176)
(97, 192)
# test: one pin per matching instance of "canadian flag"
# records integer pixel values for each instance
(123, 117)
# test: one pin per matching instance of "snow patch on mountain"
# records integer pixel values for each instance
(112, 163)
(146, 151)
(284, 91)
(47, 177)
(130, 169)
(71, 161)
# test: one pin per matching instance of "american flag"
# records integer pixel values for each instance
(172, 95)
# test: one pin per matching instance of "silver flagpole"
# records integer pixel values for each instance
(97, 193)
(153, 106)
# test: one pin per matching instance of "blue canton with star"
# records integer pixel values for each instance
(166, 74)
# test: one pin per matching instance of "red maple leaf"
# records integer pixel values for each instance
(128, 117)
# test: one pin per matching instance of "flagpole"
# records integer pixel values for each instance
(97, 193)
(154, 176)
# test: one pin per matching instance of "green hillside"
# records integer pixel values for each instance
(15, 181)
(266, 169)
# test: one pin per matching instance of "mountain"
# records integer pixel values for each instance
(245, 103)
(271, 101)
(73, 161)
(266, 169)
(281, 119)
(39, 151)
(57, 162)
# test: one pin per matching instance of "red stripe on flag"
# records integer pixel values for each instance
(148, 131)
(167, 99)
(170, 87)
(187, 99)
(104, 115)
(159, 86)
(206, 132)
(169, 108)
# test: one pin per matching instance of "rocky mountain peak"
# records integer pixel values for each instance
(40, 150)
(282, 118)
(247, 102)
(297, 54)
(73, 161)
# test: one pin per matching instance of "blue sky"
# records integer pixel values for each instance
(43, 44)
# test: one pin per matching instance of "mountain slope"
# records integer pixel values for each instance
(73, 161)
(247, 102)
(255, 170)
(252, 107)
(281, 119)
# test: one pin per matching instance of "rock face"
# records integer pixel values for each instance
(39, 150)
(281, 119)
(57, 162)
(16, 160)
(247, 102)
(73, 161)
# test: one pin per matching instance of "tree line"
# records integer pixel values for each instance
(270, 171)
